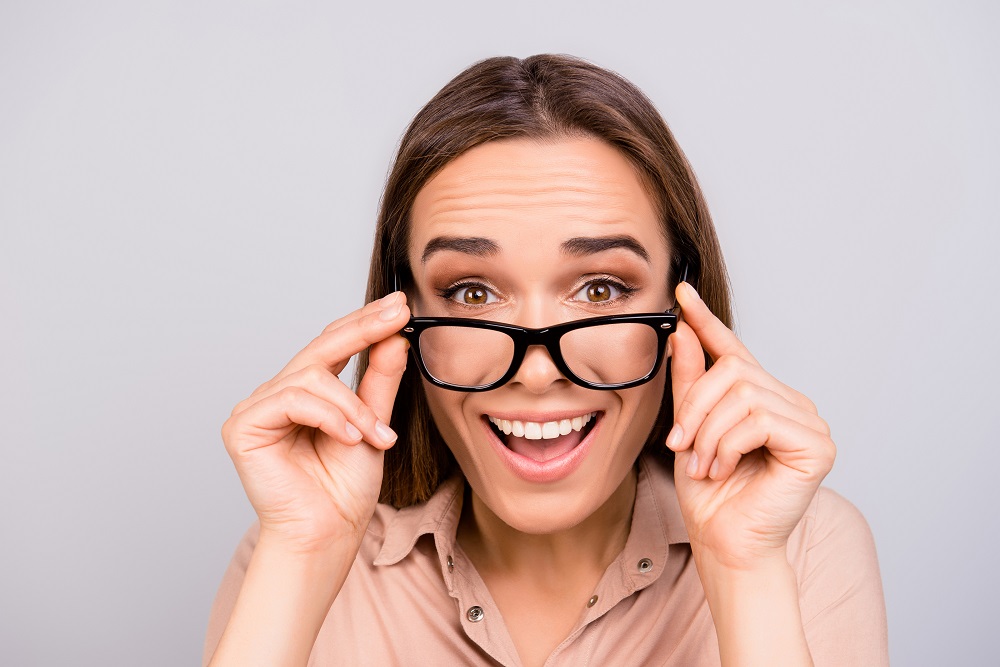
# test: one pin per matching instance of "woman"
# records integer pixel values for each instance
(549, 494)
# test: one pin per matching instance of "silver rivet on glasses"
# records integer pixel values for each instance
(665, 325)
(645, 565)
(475, 614)
(408, 329)
(591, 602)
(451, 564)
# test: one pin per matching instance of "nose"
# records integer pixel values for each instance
(537, 372)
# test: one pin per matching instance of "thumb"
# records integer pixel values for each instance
(687, 364)
(378, 387)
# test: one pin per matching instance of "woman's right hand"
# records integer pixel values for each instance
(309, 450)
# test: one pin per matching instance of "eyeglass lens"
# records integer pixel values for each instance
(613, 353)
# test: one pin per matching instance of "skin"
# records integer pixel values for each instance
(751, 452)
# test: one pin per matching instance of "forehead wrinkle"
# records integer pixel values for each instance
(588, 204)
(525, 188)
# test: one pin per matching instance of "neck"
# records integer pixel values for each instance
(591, 545)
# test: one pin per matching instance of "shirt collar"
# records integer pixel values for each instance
(656, 518)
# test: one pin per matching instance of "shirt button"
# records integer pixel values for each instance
(451, 563)
(475, 614)
(591, 602)
(645, 565)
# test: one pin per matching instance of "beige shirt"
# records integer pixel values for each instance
(413, 597)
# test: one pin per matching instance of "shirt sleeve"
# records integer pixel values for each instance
(840, 587)
(229, 590)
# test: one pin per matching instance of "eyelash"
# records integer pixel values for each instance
(625, 291)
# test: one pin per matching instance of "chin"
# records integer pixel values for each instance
(544, 514)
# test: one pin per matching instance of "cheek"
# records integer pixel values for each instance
(640, 407)
(446, 410)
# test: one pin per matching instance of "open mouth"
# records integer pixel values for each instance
(543, 441)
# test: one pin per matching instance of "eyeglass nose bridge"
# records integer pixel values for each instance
(530, 338)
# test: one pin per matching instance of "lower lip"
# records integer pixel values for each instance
(552, 470)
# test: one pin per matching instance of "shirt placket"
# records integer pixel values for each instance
(479, 615)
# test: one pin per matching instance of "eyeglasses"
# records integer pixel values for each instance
(613, 352)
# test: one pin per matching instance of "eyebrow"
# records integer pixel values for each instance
(582, 246)
(472, 245)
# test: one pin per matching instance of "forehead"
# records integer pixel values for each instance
(523, 191)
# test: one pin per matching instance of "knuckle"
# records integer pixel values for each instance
(729, 363)
(762, 420)
(290, 396)
(830, 451)
(744, 390)
(331, 326)
(687, 406)
(227, 435)
(388, 365)
(361, 413)
(727, 445)
(314, 374)
(362, 325)
(804, 402)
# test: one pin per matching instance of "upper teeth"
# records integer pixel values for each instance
(541, 430)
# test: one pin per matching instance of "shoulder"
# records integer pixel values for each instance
(831, 523)
(840, 586)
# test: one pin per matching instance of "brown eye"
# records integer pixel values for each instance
(602, 292)
(597, 292)
(475, 296)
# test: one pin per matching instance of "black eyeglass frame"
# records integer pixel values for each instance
(663, 324)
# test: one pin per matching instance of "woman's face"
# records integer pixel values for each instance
(534, 234)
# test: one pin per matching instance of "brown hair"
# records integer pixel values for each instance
(543, 96)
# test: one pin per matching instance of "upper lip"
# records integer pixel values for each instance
(541, 417)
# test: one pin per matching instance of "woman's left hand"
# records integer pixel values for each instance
(751, 452)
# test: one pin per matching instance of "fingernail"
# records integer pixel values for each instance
(352, 432)
(714, 470)
(387, 434)
(675, 436)
(390, 313)
(692, 465)
(388, 299)
(692, 291)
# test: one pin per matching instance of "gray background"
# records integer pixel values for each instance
(187, 193)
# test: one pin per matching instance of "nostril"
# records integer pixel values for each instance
(538, 370)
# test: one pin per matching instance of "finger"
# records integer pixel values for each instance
(715, 337)
(267, 422)
(368, 308)
(378, 387)
(687, 366)
(702, 397)
(337, 345)
(742, 399)
(319, 381)
(809, 453)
